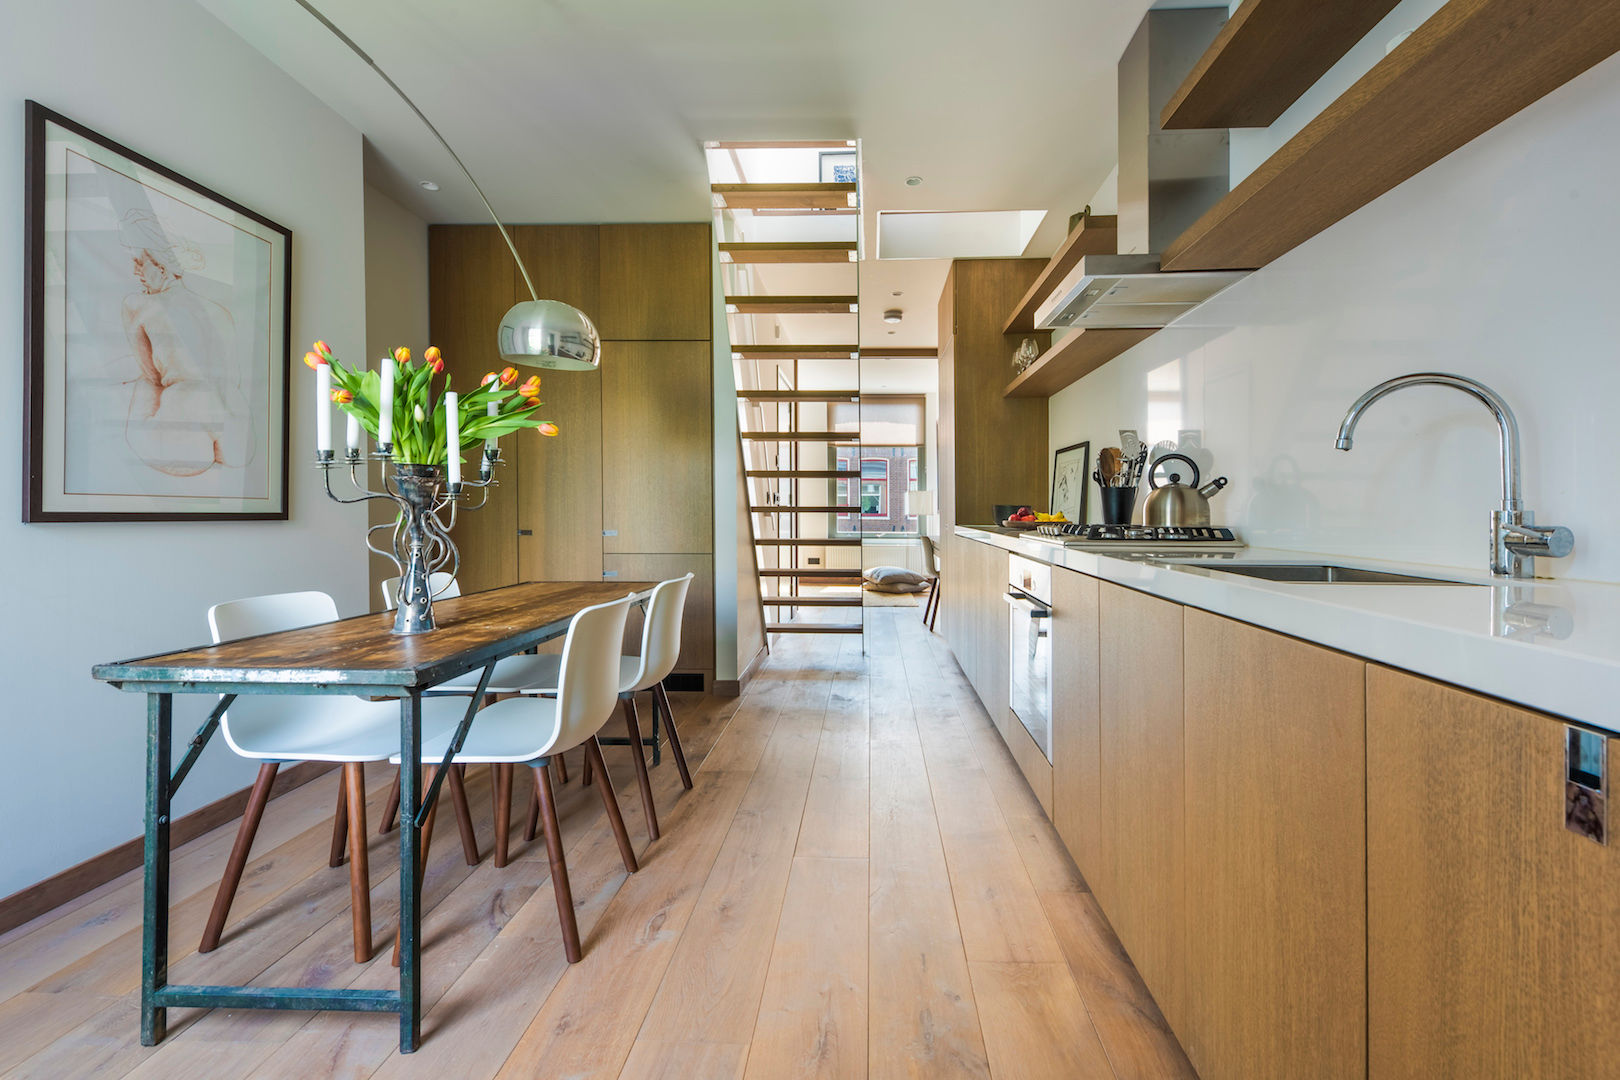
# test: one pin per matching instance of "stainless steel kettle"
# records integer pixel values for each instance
(1176, 503)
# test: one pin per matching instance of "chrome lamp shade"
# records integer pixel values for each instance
(548, 334)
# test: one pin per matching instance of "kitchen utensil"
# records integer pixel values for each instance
(1175, 503)
(1117, 504)
(1110, 462)
(1129, 443)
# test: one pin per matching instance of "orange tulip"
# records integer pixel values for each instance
(313, 361)
(549, 429)
(341, 397)
(437, 363)
(530, 392)
(488, 378)
(402, 355)
(534, 381)
(508, 376)
(323, 350)
(432, 354)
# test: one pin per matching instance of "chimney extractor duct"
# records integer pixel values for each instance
(1167, 180)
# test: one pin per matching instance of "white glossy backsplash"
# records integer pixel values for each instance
(1498, 262)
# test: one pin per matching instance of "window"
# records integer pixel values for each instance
(891, 464)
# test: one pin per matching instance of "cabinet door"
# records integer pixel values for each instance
(697, 623)
(1276, 834)
(1076, 725)
(958, 602)
(1493, 931)
(657, 446)
(470, 286)
(559, 515)
(992, 659)
(656, 283)
(564, 264)
(1141, 884)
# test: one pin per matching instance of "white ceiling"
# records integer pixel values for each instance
(596, 110)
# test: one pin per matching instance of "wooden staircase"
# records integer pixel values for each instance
(804, 496)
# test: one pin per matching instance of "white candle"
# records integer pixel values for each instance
(452, 436)
(352, 434)
(323, 408)
(492, 444)
(385, 410)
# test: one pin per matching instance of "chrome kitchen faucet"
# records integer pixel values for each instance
(1515, 538)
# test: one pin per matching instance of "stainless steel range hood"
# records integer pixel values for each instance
(1122, 291)
(1167, 179)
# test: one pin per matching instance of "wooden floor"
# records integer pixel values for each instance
(860, 884)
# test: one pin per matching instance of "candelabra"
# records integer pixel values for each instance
(420, 534)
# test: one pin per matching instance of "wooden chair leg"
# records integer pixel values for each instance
(559, 867)
(532, 830)
(340, 822)
(239, 856)
(610, 803)
(422, 848)
(503, 813)
(585, 771)
(935, 615)
(632, 727)
(458, 798)
(390, 814)
(354, 783)
(561, 764)
(674, 736)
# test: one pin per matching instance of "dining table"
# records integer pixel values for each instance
(360, 656)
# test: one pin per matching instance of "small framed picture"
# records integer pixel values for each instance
(839, 167)
(156, 340)
(1070, 466)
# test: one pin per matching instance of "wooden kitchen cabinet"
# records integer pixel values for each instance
(1076, 717)
(1492, 930)
(1140, 877)
(656, 283)
(1275, 849)
(657, 447)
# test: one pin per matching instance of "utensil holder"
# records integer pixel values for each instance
(1117, 504)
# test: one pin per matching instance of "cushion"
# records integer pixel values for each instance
(895, 579)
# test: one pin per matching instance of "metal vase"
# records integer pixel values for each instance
(418, 487)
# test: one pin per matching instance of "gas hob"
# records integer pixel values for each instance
(1140, 539)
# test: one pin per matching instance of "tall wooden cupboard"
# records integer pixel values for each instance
(626, 491)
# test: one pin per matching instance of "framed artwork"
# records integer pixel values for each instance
(838, 167)
(1070, 467)
(156, 334)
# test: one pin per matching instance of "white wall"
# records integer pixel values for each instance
(1493, 263)
(396, 314)
(170, 81)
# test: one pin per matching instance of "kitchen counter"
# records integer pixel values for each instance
(1551, 646)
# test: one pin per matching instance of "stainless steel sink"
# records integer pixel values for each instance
(1326, 574)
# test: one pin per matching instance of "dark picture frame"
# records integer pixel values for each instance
(1070, 468)
(189, 422)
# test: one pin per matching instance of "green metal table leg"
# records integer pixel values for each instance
(155, 897)
(410, 893)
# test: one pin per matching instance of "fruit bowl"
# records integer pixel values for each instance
(1010, 523)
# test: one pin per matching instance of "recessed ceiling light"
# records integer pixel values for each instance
(913, 181)
(891, 331)
(428, 185)
(893, 315)
(897, 292)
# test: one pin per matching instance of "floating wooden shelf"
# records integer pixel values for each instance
(800, 395)
(900, 353)
(792, 305)
(1077, 355)
(1093, 236)
(1473, 64)
(1267, 55)
(783, 196)
(812, 251)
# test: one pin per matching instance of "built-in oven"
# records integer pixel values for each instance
(1029, 614)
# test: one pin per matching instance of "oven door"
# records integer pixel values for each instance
(1030, 668)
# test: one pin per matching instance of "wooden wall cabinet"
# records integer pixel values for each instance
(1276, 846)
(1140, 878)
(991, 449)
(1076, 717)
(1492, 930)
(635, 457)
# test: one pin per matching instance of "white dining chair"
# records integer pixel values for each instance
(530, 730)
(646, 671)
(274, 729)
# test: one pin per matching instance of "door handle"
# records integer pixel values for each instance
(1026, 605)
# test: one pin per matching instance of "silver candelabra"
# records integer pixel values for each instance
(421, 535)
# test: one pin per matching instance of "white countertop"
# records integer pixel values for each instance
(1552, 646)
